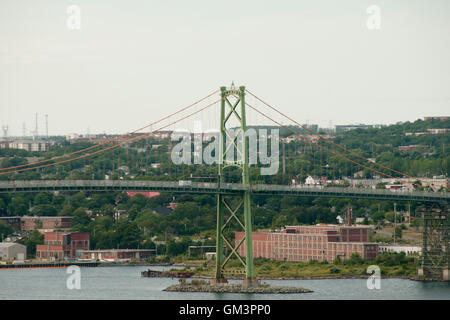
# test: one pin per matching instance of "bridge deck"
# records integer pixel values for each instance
(231, 188)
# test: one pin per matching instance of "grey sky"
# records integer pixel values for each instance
(135, 61)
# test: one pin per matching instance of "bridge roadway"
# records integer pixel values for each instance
(212, 188)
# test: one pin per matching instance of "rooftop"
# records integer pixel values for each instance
(9, 244)
(116, 250)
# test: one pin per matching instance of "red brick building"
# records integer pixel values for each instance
(13, 222)
(305, 243)
(61, 245)
(31, 222)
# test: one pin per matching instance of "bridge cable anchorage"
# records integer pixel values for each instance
(326, 149)
(145, 135)
(329, 141)
(112, 139)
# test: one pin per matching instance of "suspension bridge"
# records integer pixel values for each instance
(214, 188)
(234, 198)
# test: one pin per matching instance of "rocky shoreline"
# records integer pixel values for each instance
(235, 288)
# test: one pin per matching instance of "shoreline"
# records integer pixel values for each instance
(315, 277)
(147, 264)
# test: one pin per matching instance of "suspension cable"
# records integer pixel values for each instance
(110, 140)
(329, 141)
(324, 148)
(113, 146)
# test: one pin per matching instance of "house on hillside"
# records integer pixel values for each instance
(312, 181)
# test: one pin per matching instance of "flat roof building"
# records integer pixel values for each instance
(305, 243)
(12, 250)
(115, 254)
(58, 222)
(62, 245)
(28, 223)
(409, 250)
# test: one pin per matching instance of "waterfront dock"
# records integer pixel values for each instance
(48, 265)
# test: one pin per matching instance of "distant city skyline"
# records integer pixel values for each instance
(132, 63)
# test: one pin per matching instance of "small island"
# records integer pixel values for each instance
(205, 286)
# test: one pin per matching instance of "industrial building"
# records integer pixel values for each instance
(347, 127)
(32, 222)
(323, 242)
(28, 145)
(115, 254)
(62, 245)
(409, 250)
(12, 251)
(29, 223)
(13, 222)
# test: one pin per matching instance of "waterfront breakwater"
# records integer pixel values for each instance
(48, 265)
(203, 286)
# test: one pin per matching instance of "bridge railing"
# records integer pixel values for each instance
(348, 190)
(178, 185)
(107, 183)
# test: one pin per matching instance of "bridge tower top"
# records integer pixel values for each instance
(233, 141)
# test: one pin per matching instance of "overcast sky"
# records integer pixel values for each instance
(135, 61)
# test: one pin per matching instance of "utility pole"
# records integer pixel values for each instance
(395, 220)
(46, 125)
(36, 127)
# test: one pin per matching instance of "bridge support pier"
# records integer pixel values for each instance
(234, 207)
(446, 274)
(250, 283)
(435, 262)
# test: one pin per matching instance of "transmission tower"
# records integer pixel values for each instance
(5, 131)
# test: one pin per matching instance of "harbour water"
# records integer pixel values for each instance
(123, 283)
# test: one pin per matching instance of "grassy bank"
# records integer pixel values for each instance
(391, 265)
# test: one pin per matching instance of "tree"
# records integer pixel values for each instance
(44, 210)
(80, 219)
(58, 200)
(175, 248)
(381, 185)
(15, 161)
(34, 238)
(18, 206)
(43, 198)
(263, 217)
(416, 223)
(78, 200)
(98, 200)
(378, 216)
(126, 234)
(390, 216)
(2, 207)
(279, 221)
(5, 230)
(355, 259)
(398, 232)
(67, 210)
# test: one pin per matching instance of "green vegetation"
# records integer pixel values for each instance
(5, 230)
(391, 265)
(33, 239)
(193, 221)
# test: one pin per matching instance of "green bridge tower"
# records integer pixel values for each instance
(232, 208)
(435, 259)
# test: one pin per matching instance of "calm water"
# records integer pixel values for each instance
(126, 283)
